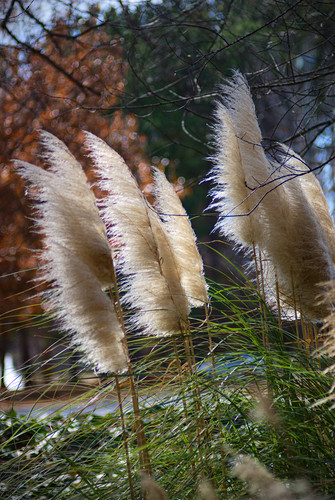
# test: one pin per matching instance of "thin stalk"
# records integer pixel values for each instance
(265, 329)
(261, 291)
(261, 273)
(210, 340)
(304, 329)
(140, 433)
(181, 378)
(125, 440)
(203, 428)
(141, 438)
(188, 345)
(295, 312)
(256, 268)
(278, 304)
(211, 350)
(316, 337)
(309, 336)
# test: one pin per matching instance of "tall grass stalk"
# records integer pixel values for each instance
(79, 264)
(158, 260)
(125, 439)
(149, 255)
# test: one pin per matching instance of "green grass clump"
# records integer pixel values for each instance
(239, 384)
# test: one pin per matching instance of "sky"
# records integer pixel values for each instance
(26, 29)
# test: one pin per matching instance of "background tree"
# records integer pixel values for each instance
(285, 48)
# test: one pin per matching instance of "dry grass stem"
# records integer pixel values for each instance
(125, 438)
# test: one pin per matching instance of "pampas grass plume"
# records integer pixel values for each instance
(293, 232)
(145, 259)
(206, 491)
(230, 195)
(84, 310)
(152, 489)
(294, 165)
(183, 240)
(260, 482)
(76, 255)
(70, 216)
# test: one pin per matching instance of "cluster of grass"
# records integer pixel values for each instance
(236, 395)
(240, 384)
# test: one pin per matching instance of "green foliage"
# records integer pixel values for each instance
(259, 400)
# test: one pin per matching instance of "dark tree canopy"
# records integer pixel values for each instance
(179, 53)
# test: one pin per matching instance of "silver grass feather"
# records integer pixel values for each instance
(183, 240)
(84, 310)
(152, 489)
(295, 165)
(261, 483)
(284, 223)
(145, 257)
(74, 217)
(239, 218)
(239, 104)
(76, 256)
(297, 251)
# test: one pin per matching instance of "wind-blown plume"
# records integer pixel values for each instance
(328, 346)
(288, 227)
(84, 310)
(70, 217)
(145, 257)
(76, 255)
(183, 240)
(230, 195)
(295, 165)
(152, 489)
(262, 484)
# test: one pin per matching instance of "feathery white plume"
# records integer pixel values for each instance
(295, 165)
(71, 216)
(152, 489)
(300, 243)
(145, 257)
(290, 229)
(83, 309)
(239, 218)
(77, 256)
(183, 240)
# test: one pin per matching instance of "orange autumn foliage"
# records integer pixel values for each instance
(69, 85)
